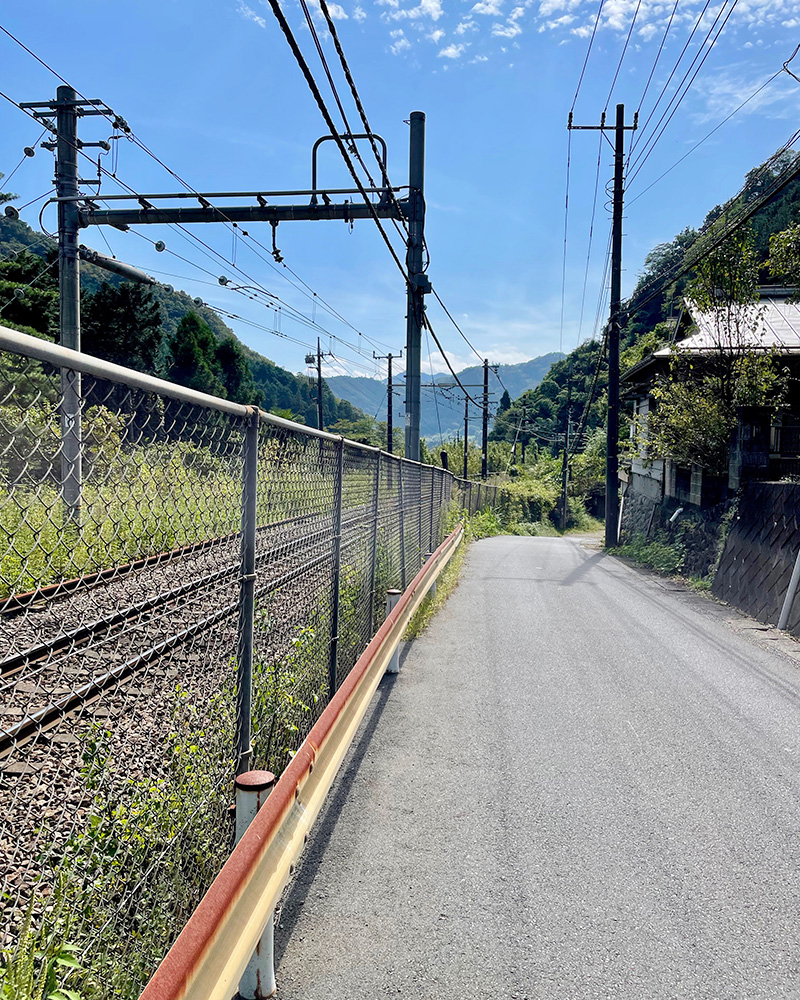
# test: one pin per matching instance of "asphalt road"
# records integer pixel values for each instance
(583, 784)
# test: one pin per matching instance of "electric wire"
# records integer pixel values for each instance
(707, 136)
(360, 107)
(695, 254)
(705, 49)
(299, 58)
(588, 53)
(657, 58)
(47, 267)
(455, 324)
(114, 119)
(564, 255)
(427, 324)
(7, 179)
(591, 238)
(622, 56)
(433, 380)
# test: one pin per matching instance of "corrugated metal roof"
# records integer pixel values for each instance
(773, 323)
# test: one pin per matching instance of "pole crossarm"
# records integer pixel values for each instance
(344, 211)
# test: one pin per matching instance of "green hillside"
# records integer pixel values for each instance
(150, 328)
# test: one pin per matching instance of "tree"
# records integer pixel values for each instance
(697, 400)
(122, 325)
(6, 195)
(237, 374)
(193, 357)
(505, 402)
(784, 255)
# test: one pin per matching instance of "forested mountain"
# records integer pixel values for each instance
(370, 395)
(651, 313)
(150, 328)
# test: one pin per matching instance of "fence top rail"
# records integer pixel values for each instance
(65, 357)
(86, 364)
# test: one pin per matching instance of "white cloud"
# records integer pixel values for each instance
(492, 8)
(425, 8)
(452, 52)
(480, 59)
(509, 30)
(437, 36)
(401, 44)
(337, 13)
(359, 14)
(250, 15)
(464, 26)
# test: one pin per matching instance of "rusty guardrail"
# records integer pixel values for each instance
(215, 946)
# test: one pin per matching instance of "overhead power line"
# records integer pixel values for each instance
(312, 84)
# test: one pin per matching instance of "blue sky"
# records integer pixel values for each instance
(213, 90)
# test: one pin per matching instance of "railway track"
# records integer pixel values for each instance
(207, 600)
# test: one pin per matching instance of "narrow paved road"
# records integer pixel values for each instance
(583, 784)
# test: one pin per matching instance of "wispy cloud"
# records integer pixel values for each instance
(491, 8)
(250, 15)
(464, 26)
(436, 36)
(401, 43)
(452, 51)
(425, 8)
(359, 14)
(508, 30)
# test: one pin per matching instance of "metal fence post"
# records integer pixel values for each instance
(434, 477)
(337, 568)
(402, 527)
(418, 565)
(247, 594)
(374, 560)
(258, 980)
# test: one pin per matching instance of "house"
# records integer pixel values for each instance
(766, 443)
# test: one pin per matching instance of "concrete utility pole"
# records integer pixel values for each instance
(485, 427)
(67, 107)
(418, 283)
(612, 422)
(316, 359)
(565, 474)
(388, 358)
(69, 291)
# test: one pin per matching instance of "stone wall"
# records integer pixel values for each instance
(696, 532)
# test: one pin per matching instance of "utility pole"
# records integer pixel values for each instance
(418, 283)
(565, 474)
(485, 427)
(388, 358)
(67, 107)
(612, 425)
(316, 359)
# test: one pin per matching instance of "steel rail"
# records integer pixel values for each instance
(213, 949)
(65, 588)
(45, 718)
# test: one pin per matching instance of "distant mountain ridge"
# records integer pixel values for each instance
(369, 395)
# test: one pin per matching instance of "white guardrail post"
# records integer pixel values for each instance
(258, 979)
(392, 597)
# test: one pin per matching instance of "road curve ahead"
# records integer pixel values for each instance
(582, 784)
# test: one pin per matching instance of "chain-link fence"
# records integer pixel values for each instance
(183, 583)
